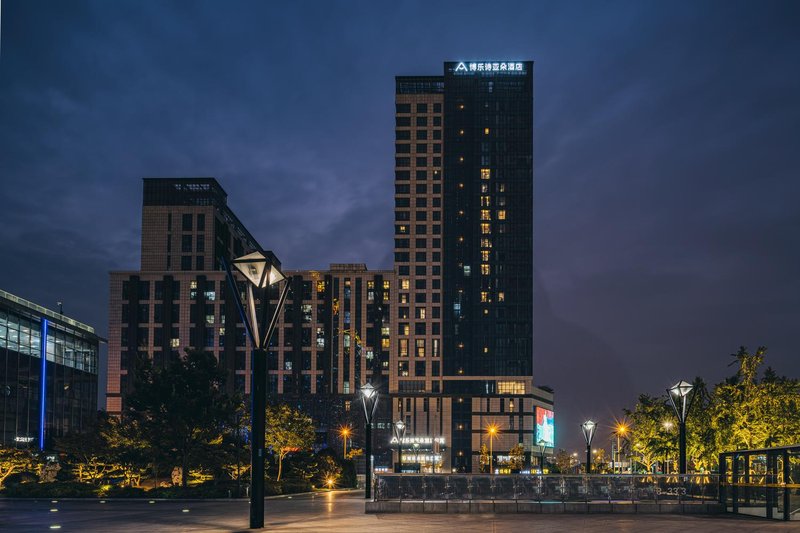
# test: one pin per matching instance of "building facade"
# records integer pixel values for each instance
(47, 389)
(464, 263)
(332, 336)
(446, 335)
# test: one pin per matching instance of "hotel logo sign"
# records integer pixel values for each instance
(502, 66)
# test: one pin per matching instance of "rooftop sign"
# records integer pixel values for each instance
(502, 66)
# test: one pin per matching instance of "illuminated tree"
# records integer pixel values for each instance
(516, 457)
(13, 461)
(484, 458)
(288, 430)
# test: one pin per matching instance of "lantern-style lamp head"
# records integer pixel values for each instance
(369, 399)
(260, 268)
(679, 396)
(399, 430)
(588, 429)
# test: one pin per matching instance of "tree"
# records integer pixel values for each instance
(12, 461)
(563, 461)
(87, 452)
(288, 430)
(484, 457)
(652, 437)
(181, 408)
(516, 457)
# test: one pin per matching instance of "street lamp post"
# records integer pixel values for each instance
(399, 433)
(680, 395)
(622, 429)
(344, 432)
(492, 431)
(542, 444)
(262, 269)
(588, 429)
(369, 399)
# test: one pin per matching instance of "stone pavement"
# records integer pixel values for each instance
(334, 512)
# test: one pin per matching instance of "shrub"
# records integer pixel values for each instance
(67, 489)
(293, 486)
(117, 491)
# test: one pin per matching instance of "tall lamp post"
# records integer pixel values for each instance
(542, 444)
(399, 434)
(262, 269)
(369, 399)
(588, 429)
(680, 395)
(622, 430)
(492, 431)
(344, 432)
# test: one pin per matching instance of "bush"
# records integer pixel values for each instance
(21, 477)
(272, 488)
(117, 491)
(348, 479)
(293, 486)
(68, 489)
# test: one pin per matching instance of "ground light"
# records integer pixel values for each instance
(369, 399)
(262, 270)
(680, 395)
(588, 428)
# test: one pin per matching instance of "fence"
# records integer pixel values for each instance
(692, 488)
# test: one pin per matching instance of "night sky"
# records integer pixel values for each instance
(667, 147)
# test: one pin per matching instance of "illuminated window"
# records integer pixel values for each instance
(484, 187)
(461, 106)
(501, 215)
(486, 228)
(385, 343)
(486, 214)
(461, 159)
(461, 132)
(460, 185)
(486, 131)
(510, 387)
(486, 269)
(404, 298)
(485, 311)
(386, 284)
(485, 349)
(486, 173)
(404, 329)
(486, 201)
(501, 297)
(460, 238)
(486, 243)
(403, 347)
(402, 229)
(501, 187)
(420, 347)
(320, 286)
(484, 296)
(404, 284)
(421, 313)
(485, 255)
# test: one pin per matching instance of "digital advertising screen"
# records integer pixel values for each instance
(545, 427)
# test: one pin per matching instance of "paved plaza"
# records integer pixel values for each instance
(338, 511)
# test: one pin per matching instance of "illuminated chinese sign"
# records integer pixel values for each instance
(545, 427)
(501, 66)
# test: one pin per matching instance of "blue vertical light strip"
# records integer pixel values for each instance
(43, 383)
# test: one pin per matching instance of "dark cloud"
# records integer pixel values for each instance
(665, 139)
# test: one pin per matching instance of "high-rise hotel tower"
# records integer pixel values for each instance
(462, 367)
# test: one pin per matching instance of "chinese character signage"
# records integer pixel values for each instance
(545, 427)
(500, 66)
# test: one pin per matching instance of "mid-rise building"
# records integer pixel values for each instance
(47, 389)
(332, 336)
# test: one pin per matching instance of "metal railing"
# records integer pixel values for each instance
(691, 488)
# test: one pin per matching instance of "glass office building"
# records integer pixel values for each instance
(47, 389)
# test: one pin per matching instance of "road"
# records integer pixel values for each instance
(336, 511)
